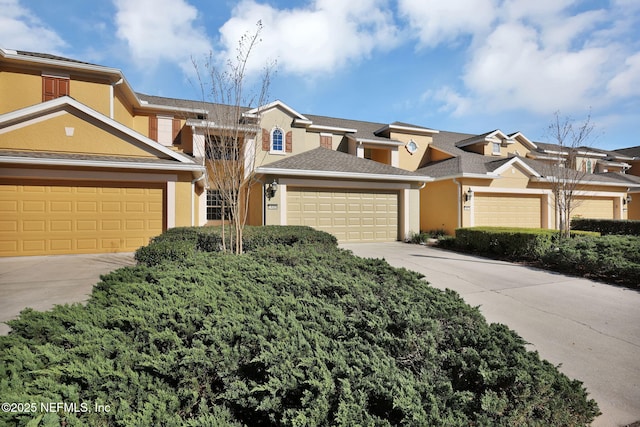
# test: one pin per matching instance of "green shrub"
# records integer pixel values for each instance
(281, 336)
(614, 259)
(519, 243)
(177, 244)
(607, 226)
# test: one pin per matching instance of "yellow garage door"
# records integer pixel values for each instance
(593, 207)
(351, 216)
(48, 219)
(501, 210)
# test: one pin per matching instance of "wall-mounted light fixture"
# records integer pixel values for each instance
(627, 200)
(271, 189)
(468, 195)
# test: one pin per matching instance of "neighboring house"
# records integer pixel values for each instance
(90, 166)
(632, 156)
(499, 179)
(85, 165)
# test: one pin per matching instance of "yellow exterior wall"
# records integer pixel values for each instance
(633, 208)
(435, 155)
(19, 90)
(183, 201)
(439, 206)
(87, 138)
(94, 95)
(255, 205)
(513, 177)
(381, 155)
(122, 111)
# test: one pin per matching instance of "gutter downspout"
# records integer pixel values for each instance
(111, 95)
(455, 181)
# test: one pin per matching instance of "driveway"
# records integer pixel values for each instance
(40, 282)
(591, 329)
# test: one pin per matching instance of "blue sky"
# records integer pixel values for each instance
(457, 65)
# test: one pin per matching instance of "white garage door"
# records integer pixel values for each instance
(351, 216)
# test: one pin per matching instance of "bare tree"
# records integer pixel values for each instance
(565, 174)
(230, 142)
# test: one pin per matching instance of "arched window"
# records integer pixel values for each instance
(277, 140)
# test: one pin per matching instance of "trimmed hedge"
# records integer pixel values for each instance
(177, 244)
(520, 243)
(612, 259)
(607, 226)
(300, 335)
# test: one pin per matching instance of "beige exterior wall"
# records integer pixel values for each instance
(19, 90)
(86, 138)
(407, 160)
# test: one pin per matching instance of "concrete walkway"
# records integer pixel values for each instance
(591, 329)
(40, 282)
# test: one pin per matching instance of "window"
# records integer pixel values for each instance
(411, 147)
(217, 149)
(214, 205)
(54, 87)
(277, 140)
(217, 209)
(496, 148)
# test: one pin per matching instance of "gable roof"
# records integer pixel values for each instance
(165, 154)
(322, 162)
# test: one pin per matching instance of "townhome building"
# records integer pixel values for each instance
(88, 165)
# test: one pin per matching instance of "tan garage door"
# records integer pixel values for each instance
(501, 210)
(593, 207)
(51, 219)
(351, 216)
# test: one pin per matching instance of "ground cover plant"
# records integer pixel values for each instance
(298, 334)
(613, 259)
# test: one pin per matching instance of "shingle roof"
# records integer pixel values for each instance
(325, 160)
(630, 151)
(53, 57)
(89, 157)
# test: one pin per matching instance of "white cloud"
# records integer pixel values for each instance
(161, 30)
(325, 36)
(20, 29)
(627, 82)
(538, 56)
(434, 22)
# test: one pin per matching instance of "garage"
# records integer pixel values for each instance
(593, 207)
(47, 218)
(502, 210)
(350, 215)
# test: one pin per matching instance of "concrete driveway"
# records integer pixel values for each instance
(40, 282)
(591, 329)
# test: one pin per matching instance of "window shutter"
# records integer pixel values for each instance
(63, 87)
(266, 140)
(288, 147)
(48, 89)
(153, 128)
(176, 130)
(54, 87)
